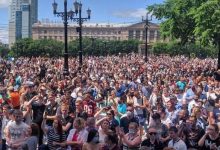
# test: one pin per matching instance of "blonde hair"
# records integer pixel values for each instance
(80, 122)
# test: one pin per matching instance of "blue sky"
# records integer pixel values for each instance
(103, 11)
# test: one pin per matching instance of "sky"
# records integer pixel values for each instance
(103, 11)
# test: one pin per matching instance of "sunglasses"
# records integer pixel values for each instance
(153, 133)
(109, 114)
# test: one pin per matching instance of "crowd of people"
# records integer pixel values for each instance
(110, 103)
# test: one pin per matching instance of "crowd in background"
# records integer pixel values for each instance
(111, 103)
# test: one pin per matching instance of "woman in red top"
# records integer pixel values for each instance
(78, 135)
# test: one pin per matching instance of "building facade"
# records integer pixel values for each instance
(98, 31)
(22, 15)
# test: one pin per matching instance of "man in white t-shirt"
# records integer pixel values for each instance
(175, 141)
(16, 132)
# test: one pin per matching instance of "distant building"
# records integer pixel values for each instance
(22, 15)
(99, 31)
(4, 45)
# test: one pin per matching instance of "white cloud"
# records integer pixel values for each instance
(4, 36)
(4, 3)
(130, 13)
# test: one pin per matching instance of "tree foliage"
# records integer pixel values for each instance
(207, 19)
(175, 48)
(43, 47)
(190, 21)
(51, 48)
(177, 22)
(3, 51)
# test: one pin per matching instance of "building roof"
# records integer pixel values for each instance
(59, 24)
(142, 25)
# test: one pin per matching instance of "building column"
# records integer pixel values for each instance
(134, 34)
(148, 35)
(155, 36)
(141, 35)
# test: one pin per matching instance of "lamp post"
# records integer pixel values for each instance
(146, 33)
(69, 15)
(80, 21)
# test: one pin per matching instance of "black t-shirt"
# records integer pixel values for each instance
(124, 123)
(38, 112)
(208, 142)
(83, 115)
(51, 111)
(156, 146)
(67, 120)
(113, 124)
(194, 137)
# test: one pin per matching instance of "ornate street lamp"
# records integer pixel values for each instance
(80, 20)
(146, 35)
(69, 15)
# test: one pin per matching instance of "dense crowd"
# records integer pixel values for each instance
(111, 103)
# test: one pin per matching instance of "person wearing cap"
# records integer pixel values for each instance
(152, 141)
(162, 129)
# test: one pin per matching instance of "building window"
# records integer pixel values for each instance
(152, 35)
(55, 37)
(45, 31)
(45, 37)
(130, 34)
(119, 32)
(137, 35)
(144, 35)
(158, 35)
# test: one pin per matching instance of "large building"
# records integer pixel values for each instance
(99, 31)
(23, 14)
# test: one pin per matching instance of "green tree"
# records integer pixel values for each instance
(207, 19)
(4, 51)
(42, 47)
(177, 19)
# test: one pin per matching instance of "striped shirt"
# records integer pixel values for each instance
(54, 137)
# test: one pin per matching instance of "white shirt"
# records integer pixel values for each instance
(178, 145)
(82, 137)
(18, 133)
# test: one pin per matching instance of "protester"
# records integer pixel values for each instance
(16, 132)
(122, 97)
(92, 142)
(210, 139)
(78, 135)
(152, 141)
(132, 139)
(55, 134)
(175, 141)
